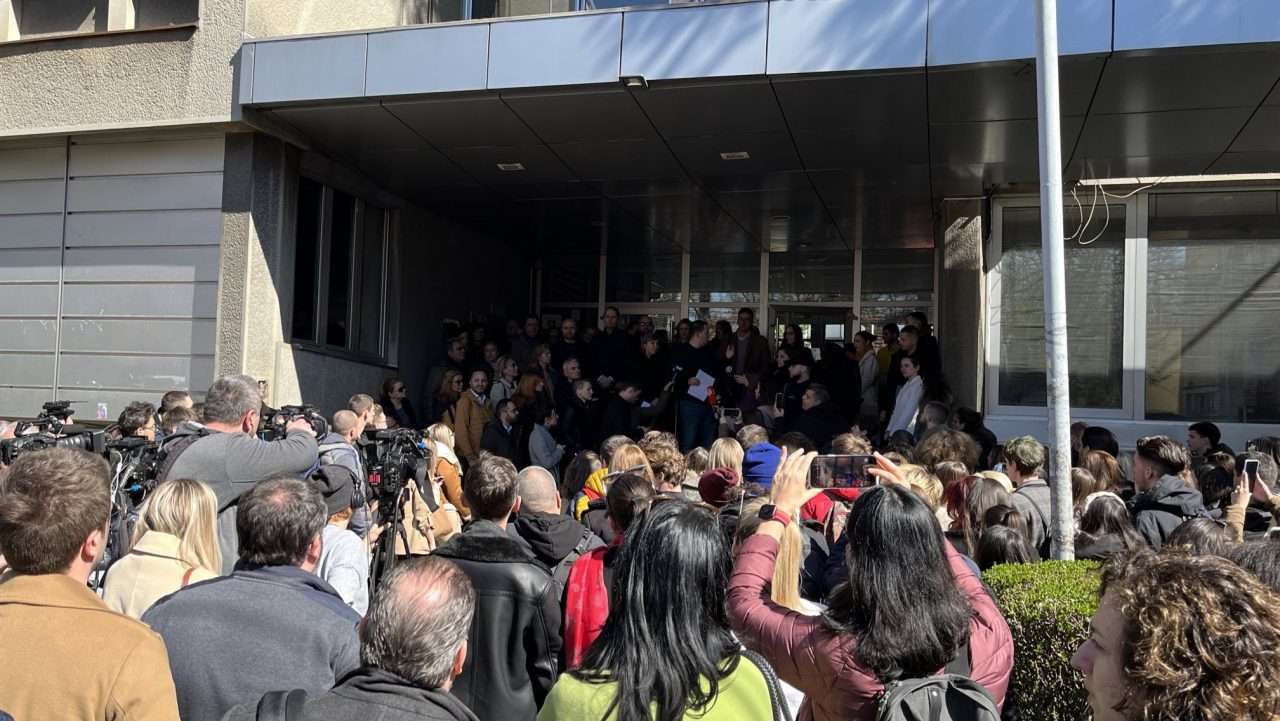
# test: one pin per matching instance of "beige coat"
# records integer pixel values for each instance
(426, 530)
(469, 422)
(67, 656)
(151, 571)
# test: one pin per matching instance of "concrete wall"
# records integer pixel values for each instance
(961, 298)
(160, 77)
(275, 18)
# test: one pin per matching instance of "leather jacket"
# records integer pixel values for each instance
(513, 649)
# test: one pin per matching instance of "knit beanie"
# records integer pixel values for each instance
(716, 486)
(760, 463)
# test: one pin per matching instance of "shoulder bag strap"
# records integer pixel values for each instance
(186, 577)
(960, 665)
(776, 698)
(282, 705)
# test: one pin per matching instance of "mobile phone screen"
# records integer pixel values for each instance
(841, 471)
(1251, 471)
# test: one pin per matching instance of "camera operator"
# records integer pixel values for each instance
(225, 454)
(138, 420)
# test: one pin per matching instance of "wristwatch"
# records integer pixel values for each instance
(770, 512)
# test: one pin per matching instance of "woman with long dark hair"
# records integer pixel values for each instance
(792, 340)
(586, 600)
(1106, 528)
(909, 604)
(666, 652)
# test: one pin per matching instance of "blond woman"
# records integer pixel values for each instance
(174, 544)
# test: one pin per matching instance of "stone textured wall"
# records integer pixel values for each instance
(274, 18)
(126, 80)
(962, 299)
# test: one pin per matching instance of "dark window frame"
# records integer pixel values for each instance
(316, 337)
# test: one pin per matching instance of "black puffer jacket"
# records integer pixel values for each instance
(515, 640)
(371, 693)
(1163, 508)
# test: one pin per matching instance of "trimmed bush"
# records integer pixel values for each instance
(1048, 607)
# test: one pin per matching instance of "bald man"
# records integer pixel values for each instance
(340, 446)
(555, 538)
(413, 644)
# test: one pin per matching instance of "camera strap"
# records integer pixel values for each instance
(425, 488)
(171, 449)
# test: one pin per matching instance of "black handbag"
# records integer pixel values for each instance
(776, 698)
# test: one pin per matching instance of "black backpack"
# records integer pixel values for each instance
(950, 696)
(282, 705)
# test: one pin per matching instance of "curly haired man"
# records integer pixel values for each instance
(1185, 638)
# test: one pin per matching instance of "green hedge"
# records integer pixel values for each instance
(1048, 607)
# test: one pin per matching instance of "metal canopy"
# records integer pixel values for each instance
(832, 160)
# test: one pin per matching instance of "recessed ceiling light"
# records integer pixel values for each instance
(511, 167)
(736, 155)
(634, 81)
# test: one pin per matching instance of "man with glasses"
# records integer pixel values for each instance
(227, 454)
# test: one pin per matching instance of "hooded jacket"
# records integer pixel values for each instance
(552, 536)
(371, 693)
(1164, 507)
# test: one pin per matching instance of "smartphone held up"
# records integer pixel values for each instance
(842, 471)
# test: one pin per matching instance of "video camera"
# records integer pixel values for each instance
(134, 465)
(273, 425)
(51, 430)
(395, 457)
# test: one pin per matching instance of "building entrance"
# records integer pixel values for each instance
(818, 324)
(664, 316)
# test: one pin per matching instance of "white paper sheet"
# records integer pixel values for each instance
(705, 382)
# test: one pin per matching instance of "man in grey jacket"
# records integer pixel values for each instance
(225, 453)
(272, 624)
(413, 644)
(1024, 464)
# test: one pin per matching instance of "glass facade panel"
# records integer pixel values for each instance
(1213, 296)
(571, 278)
(724, 278)
(341, 241)
(306, 259)
(1095, 312)
(371, 257)
(804, 276)
(897, 276)
(642, 278)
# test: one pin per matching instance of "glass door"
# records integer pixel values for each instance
(663, 316)
(818, 324)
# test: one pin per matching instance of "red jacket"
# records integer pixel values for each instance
(819, 507)
(821, 662)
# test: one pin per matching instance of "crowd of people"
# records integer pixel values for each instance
(627, 527)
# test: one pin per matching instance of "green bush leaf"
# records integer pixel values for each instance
(1048, 607)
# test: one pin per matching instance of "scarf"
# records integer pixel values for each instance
(446, 453)
(591, 490)
(586, 606)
